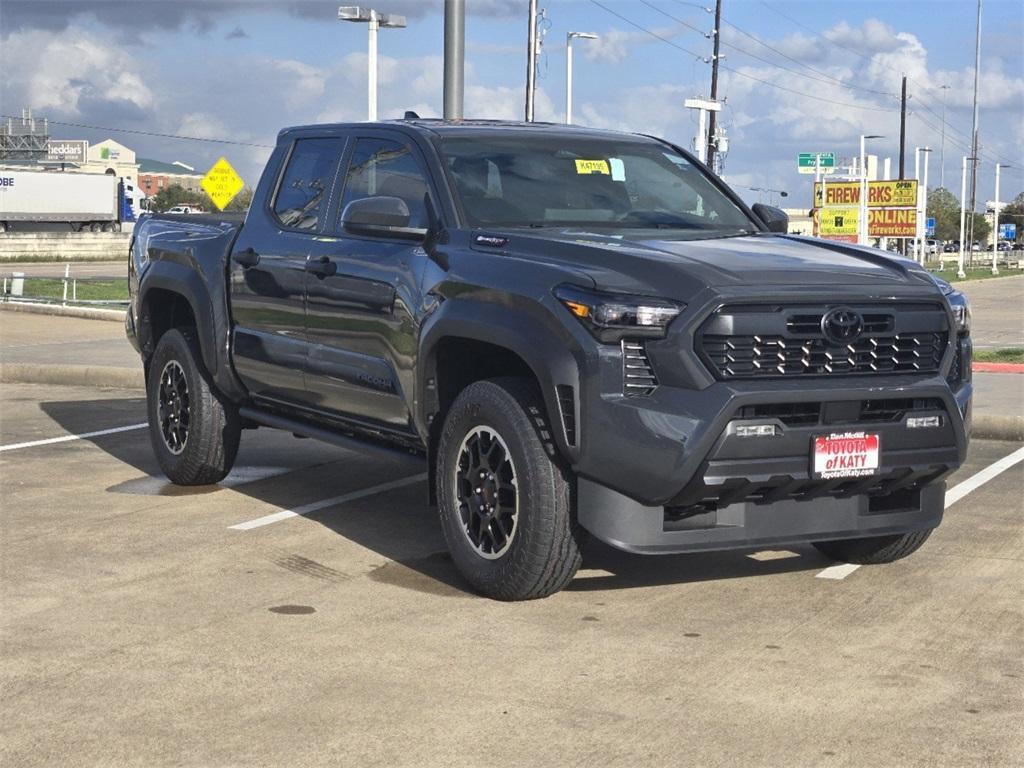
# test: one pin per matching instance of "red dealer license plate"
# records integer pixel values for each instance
(845, 454)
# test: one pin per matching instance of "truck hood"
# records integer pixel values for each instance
(674, 268)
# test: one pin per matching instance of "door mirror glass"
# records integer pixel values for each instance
(381, 215)
(774, 218)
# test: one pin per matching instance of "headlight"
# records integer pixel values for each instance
(611, 317)
(961, 311)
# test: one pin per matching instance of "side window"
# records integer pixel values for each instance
(381, 167)
(302, 195)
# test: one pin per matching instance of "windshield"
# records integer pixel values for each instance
(569, 181)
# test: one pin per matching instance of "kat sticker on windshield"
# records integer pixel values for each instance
(584, 167)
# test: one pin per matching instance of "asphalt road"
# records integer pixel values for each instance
(141, 629)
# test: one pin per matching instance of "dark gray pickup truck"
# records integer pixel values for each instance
(579, 330)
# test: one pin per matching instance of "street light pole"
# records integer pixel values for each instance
(963, 210)
(923, 208)
(862, 217)
(995, 222)
(371, 67)
(942, 145)
(454, 57)
(531, 60)
(568, 69)
(374, 20)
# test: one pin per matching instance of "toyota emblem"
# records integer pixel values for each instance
(842, 325)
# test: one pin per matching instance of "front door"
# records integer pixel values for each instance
(268, 273)
(360, 312)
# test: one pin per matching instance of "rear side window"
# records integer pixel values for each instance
(302, 195)
(380, 167)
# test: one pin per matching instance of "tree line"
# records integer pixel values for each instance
(945, 209)
(175, 194)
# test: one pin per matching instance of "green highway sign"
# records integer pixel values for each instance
(808, 162)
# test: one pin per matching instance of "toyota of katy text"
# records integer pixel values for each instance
(580, 332)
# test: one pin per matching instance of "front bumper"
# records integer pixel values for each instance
(666, 471)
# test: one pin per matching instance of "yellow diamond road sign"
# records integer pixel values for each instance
(221, 183)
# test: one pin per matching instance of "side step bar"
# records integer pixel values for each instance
(304, 429)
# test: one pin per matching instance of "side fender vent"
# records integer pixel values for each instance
(567, 407)
(637, 374)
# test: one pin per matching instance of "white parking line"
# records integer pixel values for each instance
(306, 509)
(69, 438)
(977, 480)
(953, 495)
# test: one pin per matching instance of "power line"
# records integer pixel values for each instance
(740, 73)
(823, 76)
(148, 133)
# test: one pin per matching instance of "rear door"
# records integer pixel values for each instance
(268, 271)
(361, 317)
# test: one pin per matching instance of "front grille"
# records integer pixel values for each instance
(637, 374)
(809, 414)
(771, 341)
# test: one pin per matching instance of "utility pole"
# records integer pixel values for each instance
(531, 61)
(714, 84)
(995, 223)
(454, 57)
(903, 145)
(974, 128)
(903, 128)
(942, 145)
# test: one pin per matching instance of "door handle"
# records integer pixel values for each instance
(321, 267)
(247, 257)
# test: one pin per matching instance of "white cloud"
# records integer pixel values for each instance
(65, 74)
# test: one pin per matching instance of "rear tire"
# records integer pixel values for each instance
(875, 550)
(506, 506)
(193, 429)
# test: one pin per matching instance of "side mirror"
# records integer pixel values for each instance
(774, 218)
(382, 215)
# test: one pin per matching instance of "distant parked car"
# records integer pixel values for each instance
(951, 247)
(931, 247)
(1005, 245)
(185, 209)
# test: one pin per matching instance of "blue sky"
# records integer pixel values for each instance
(241, 70)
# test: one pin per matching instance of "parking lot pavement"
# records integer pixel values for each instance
(997, 310)
(49, 340)
(141, 628)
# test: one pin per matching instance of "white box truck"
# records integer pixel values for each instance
(85, 201)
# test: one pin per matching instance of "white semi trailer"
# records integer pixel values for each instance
(84, 201)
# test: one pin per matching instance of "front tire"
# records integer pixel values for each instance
(875, 550)
(505, 504)
(194, 431)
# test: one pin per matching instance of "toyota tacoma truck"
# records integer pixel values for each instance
(580, 331)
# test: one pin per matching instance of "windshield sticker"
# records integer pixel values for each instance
(618, 169)
(584, 167)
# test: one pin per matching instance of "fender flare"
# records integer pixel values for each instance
(541, 342)
(187, 281)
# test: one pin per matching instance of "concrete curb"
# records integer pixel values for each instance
(86, 313)
(997, 367)
(72, 375)
(992, 427)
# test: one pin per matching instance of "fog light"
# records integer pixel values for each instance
(756, 430)
(917, 422)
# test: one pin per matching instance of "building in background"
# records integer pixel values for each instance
(155, 176)
(112, 158)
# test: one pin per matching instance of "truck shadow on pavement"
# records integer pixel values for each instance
(404, 529)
